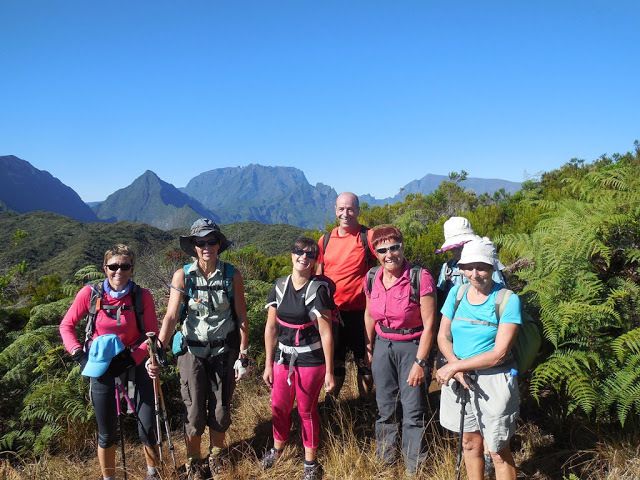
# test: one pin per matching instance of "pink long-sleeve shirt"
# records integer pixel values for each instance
(127, 329)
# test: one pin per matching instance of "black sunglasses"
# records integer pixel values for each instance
(202, 243)
(115, 266)
(300, 252)
(390, 248)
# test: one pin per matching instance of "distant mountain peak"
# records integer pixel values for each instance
(24, 188)
(149, 199)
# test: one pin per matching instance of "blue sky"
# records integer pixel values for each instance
(360, 95)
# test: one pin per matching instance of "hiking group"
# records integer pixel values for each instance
(354, 291)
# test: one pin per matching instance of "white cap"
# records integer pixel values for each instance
(480, 250)
(457, 230)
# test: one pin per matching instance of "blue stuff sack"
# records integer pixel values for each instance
(178, 344)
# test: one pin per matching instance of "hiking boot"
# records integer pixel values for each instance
(269, 458)
(216, 465)
(312, 473)
(195, 471)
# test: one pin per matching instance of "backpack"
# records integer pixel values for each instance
(310, 293)
(190, 287)
(95, 305)
(529, 338)
(369, 259)
(414, 280)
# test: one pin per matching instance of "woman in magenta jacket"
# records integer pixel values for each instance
(116, 315)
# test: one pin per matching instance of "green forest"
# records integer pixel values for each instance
(570, 241)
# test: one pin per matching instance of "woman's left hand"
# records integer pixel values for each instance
(446, 373)
(329, 382)
(416, 375)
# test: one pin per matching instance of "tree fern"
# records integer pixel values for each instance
(582, 262)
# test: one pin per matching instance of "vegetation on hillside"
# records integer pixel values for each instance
(570, 240)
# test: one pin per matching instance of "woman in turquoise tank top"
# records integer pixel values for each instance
(477, 347)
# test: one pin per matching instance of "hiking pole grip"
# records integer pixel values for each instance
(153, 357)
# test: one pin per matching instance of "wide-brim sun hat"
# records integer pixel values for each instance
(201, 228)
(103, 349)
(457, 231)
(480, 250)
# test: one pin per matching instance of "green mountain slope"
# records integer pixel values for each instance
(152, 201)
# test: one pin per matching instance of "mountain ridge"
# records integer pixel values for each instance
(151, 200)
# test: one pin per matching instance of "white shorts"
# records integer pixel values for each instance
(493, 407)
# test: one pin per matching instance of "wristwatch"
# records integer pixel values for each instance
(421, 362)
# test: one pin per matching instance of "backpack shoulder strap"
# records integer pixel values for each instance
(325, 241)
(414, 280)
(371, 275)
(189, 288)
(312, 290)
(368, 256)
(138, 308)
(459, 295)
(228, 271)
(281, 287)
(502, 297)
(97, 290)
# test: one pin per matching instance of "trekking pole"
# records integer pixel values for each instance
(118, 390)
(463, 395)
(161, 411)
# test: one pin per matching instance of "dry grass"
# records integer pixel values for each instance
(347, 450)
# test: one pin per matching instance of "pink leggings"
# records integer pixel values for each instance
(306, 383)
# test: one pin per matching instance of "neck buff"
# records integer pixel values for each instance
(115, 293)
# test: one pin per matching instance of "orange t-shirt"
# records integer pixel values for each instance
(344, 263)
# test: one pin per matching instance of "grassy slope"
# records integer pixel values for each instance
(347, 449)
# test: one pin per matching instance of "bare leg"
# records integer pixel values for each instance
(107, 459)
(472, 448)
(365, 386)
(193, 446)
(216, 439)
(504, 464)
(151, 455)
(310, 454)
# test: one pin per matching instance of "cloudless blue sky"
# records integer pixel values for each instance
(360, 95)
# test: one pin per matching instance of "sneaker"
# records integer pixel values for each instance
(312, 473)
(269, 458)
(216, 465)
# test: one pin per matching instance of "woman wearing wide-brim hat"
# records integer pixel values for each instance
(477, 329)
(207, 297)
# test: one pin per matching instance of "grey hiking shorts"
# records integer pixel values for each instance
(493, 407)
(206, 387)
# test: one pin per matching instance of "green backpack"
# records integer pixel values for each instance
(529, 339)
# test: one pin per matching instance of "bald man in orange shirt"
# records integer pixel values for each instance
(345, 257)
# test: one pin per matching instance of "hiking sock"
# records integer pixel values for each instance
(215, 451)
(108, 478)
(151, 470)
(310, 463)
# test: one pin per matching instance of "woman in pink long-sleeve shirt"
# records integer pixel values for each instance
(116, 314)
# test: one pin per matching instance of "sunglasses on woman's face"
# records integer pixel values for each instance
(390, 248)
(122, 266)
(300, 252)
(202, 243)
